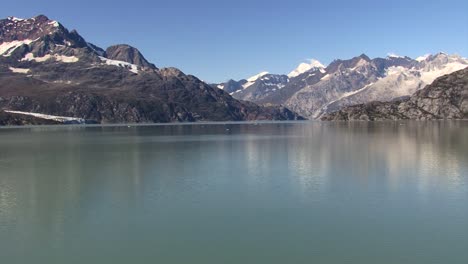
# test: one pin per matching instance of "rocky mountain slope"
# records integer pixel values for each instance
(314, 90)
(445, 98)
(46, 69)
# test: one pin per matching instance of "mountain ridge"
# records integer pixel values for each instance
(360, 79)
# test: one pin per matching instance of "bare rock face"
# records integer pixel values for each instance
(445, 98)
(128, 54)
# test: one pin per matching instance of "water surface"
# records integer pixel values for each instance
(310, 192)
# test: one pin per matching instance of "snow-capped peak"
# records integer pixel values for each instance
(253, 79)
(423, 58)
(303, 67)
(256, 77)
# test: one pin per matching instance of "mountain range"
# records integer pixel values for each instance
(313, 90)
(49, 72)
(445, 98)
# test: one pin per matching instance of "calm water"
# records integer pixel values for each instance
(236, 193)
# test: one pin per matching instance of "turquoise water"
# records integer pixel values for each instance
(306, 192)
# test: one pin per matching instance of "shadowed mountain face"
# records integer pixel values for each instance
(44, 68)
(445, 98)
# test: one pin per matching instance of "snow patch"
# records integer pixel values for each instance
(54, 23)
(62, 119)
(15, 19)
(28, 57)
(57, 57)
(19, 70)
(66, 59)
(429, 76)
(131, 67)
(6, 48)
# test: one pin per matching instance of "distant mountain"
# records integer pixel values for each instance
(231, 86)
(445, 98)
(401, 80)
(266, 88)
(312, 90)
(258, 87)
(305, 67)
(47, 70)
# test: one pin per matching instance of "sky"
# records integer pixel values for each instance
(221, 40)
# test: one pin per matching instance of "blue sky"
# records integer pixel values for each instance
(218, 40)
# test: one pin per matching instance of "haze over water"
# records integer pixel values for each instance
(305, 192)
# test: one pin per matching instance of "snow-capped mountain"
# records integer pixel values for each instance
(445, 98)
(399, 81)
(304, 67)
(313, 90)
(342, 77)
(263, 85)
(253, 79)
(47, 70)
(231, 86)
(257, 88)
